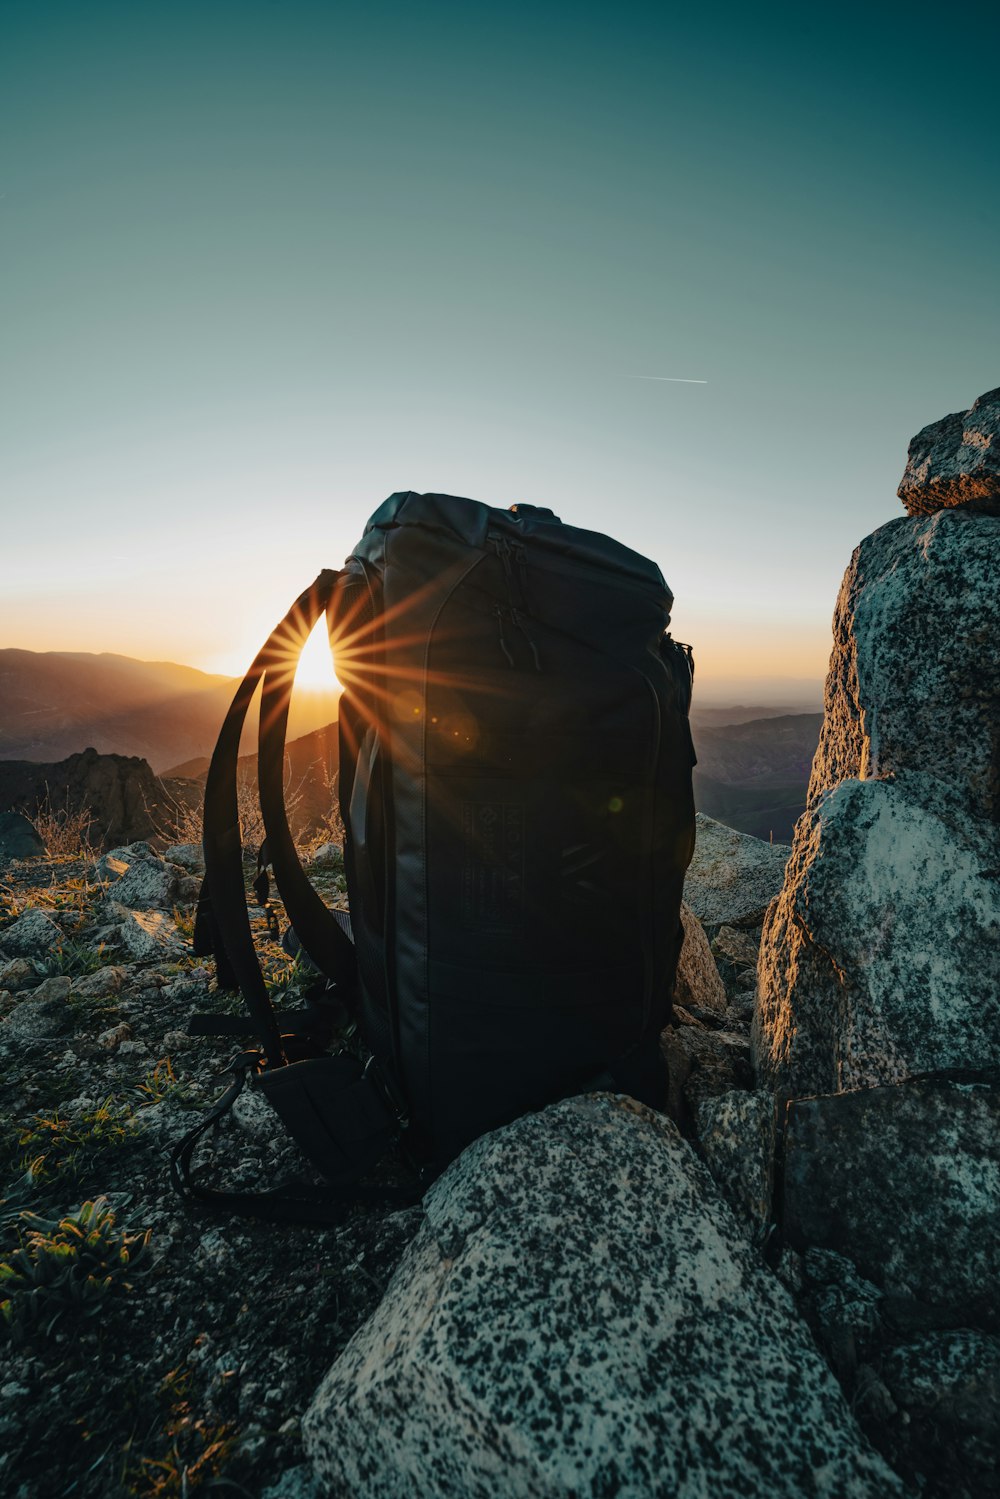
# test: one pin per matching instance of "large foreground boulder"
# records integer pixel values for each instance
(579, 1315)
(881, 957)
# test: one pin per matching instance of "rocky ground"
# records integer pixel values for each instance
(155, 1348)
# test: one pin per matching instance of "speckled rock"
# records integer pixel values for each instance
(31, 936)
(328, 856)
(948, 1385)
(42, 1014)
(846, 1310)
(703, 1063)
(739, 947)
(577, 1316)
(904, 1180)
(19, 838)
(736, 1134)
(914, 678)
(147, 883)
(189, 856)
(882, 957)
(956, 461)
(106, 980)
(699, 985)
(148, 935)
(17, 974)
(732, 877)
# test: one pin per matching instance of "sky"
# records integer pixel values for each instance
(262, 264)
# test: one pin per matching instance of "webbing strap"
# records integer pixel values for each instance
(320, 931)
(223, 920)
(297, 1201)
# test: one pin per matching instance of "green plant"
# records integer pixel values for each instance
(161, 1084)
(54, 1145)
(67, 1266)
(184, 922)
(196, 1450)
(72, 956)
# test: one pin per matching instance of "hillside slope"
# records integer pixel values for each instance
(754, 775)
(56, 703)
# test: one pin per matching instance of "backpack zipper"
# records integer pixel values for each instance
(515, 570)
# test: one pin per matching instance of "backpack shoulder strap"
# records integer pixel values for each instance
(223, 923)
(324, 934)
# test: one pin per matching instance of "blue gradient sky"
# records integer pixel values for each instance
(263, 264)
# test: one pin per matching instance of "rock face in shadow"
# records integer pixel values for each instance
(881, 957)
(956, 461)
(580, 1315)
(844, 1181)
(121, 793)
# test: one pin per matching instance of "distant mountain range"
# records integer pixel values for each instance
(753, 762)
(55, 703)
(754, 775)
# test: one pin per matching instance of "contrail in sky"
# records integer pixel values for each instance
(670, 379)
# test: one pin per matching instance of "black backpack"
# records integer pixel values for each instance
(515, 788)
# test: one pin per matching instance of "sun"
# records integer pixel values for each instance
(315, 670)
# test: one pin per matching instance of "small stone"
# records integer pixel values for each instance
(32, 935)
(255, 1117)
(103, 981)
(19, 838)
(846, 1307)
(53, 990)
(871, 1397)
(108, 869)
(328, 856)
(111, 1039)
(18, 974)
(131, 1048)
(189, 856)
(43, 1014)
(738, 946)
(717, 1062)
(698, 979)
(790, 1270)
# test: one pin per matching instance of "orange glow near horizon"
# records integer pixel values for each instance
(315, 672)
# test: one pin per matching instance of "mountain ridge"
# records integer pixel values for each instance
(57, 703)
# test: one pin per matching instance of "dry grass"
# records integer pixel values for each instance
(184, 823)
(64, 832)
